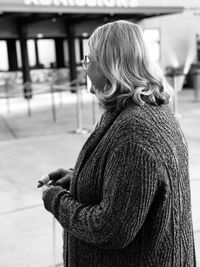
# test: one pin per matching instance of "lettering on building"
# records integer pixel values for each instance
(83, 3)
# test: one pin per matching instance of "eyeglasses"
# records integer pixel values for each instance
(86, 62)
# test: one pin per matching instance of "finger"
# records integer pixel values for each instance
(65, 180)
(55, 175)
(45, 187)
(43, 180)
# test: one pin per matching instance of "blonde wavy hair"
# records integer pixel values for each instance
(122, 57)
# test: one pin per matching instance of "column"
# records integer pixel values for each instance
(36, 54)
(12, 54)
(22, 31)
(60, 61)
(71, 48)
(81, 47)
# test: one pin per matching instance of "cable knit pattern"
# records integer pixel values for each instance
(129, 203)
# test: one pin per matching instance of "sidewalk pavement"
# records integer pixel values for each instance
(33, 145)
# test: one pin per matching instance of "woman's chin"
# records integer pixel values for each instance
(92, 89)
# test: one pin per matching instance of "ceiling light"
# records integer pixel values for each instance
(85, 34)
(40, 35)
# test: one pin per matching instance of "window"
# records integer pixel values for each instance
(19, 57)
(31, 53)
(46, 51)
(66, 52)
(152, 38)
(4, 56)
(77, 51)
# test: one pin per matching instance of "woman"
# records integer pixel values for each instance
(129, 199)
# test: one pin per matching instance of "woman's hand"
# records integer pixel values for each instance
(45, 189)
(61, 177)
(57, 174)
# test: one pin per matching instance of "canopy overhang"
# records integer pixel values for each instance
(77, 10)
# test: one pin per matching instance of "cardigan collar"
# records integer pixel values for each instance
(106, 121)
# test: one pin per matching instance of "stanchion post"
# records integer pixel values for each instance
(28, 95)
(175, 102)
(54, 242)
(60, 97)
(79, 109)
(29, 107)
(53, 101)
(197, 85)
(89, 89)
(176, 74)
(195, 72)
(93, 111)
(80, 129)
(7, 94)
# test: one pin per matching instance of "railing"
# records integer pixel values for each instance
(27, 92)
(75, 86)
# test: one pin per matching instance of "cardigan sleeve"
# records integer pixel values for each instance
(130, 181)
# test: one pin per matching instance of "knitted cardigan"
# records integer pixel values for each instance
(129, 203)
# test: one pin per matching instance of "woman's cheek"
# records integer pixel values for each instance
(100, 83)
(97, 79)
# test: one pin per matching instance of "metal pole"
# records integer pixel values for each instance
(7, 95)
(53, 101)
(28, 95)
(79, 103)
(60, 97)
(175, 95)
(197, 84)
(79, 110)
(93, 111)
(175, 102)
(54, 241)
(29, 107)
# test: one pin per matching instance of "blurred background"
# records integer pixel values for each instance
(46, 112)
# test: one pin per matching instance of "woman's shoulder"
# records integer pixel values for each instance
(145, 114)
(145, 122)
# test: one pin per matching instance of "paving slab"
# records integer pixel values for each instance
(26, 226)
(27, 239)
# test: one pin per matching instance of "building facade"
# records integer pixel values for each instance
(38, 36)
